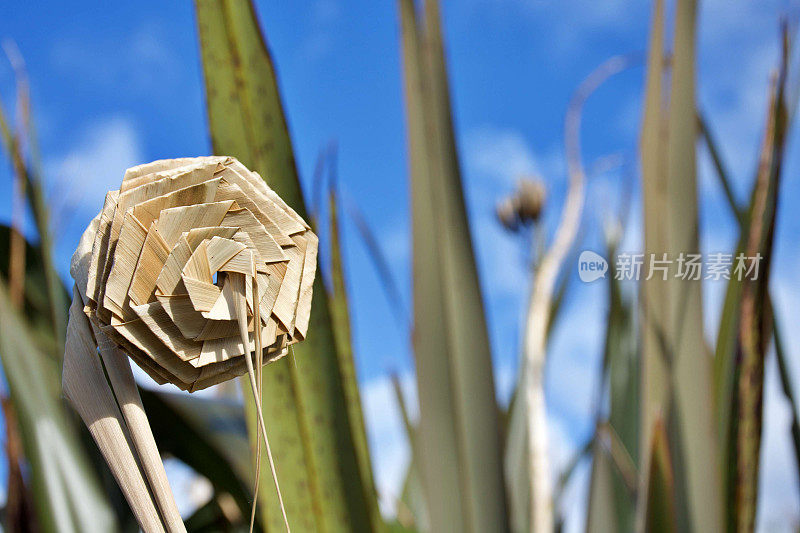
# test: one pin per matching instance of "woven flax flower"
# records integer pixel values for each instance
(197, 271)
(175, 245)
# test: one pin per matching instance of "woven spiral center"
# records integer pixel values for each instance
(175, 245)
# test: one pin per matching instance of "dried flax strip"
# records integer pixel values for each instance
(299, 225)
(100, 243)
(201, 167)
(180, 310)
(86, 388)
(217, 329)
(132, 237)
(202, 293)
(266, 200)
(220, 251)
(289, 292)
(201, 193)
(241, 317)
(170, 276)
(232, 191)
(155, 189)
(155, 251)
(158, 321)
(140, 336)
(266, 244)
(303, 312)
(175, 221)
(124, 387)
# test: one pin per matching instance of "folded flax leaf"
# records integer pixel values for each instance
(87, 389)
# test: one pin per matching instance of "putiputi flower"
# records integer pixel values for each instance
(197, 271)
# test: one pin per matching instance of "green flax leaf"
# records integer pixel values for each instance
(755, 322)
(601, 515)
(677, 368)
(654, 382)
(310, 426)
(660, 506)
(461, 461)
(621, 434)
(746, 327)
(340, 319)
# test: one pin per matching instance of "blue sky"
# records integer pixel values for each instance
(118, 84)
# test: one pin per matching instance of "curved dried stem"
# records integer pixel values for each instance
(541, 508)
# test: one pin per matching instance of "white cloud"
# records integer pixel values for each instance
(778, 490)
(389, 447)
(93, 165)
(325, 16)
(569, 21)
(501, 155)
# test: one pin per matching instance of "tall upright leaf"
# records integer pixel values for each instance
(29, 170)
(458, 432)
(610, 499)
(746, 322)
(653, 314)
(691, 370)
(727, 360)
(344, 349)
(755, 323)
(601, 513)
(311, 427)
(440, 462)
(677, 370)
(659, 500)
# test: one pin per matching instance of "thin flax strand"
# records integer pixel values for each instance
(241, 312)
(259, 355)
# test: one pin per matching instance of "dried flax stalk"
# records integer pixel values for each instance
(194, 269)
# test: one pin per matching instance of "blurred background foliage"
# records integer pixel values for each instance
(678, 420)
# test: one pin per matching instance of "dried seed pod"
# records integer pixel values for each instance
(172, 248)
(530, 199)
(523, 207)
(506, 211)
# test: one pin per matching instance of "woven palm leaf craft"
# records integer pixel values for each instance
(197, 271)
